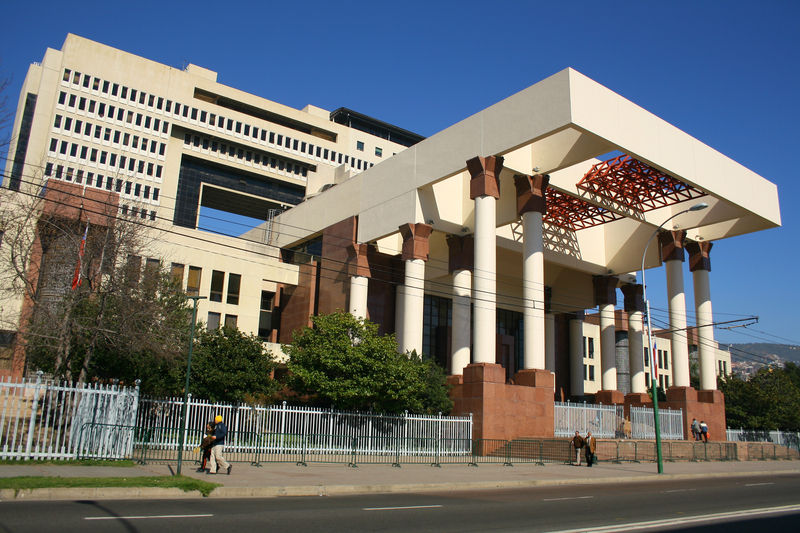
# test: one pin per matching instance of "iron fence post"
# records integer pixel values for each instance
(352, 462)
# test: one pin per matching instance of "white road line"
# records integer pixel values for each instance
(143, 517)
(638, 526)
(570, 498)
(401, 508)
(757, 484)
(677, 490)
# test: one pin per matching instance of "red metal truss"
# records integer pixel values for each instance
(574, 213)
(627, 182)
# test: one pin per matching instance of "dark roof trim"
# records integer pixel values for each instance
(373, 126)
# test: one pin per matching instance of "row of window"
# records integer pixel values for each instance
(218, 283)
(256, 158)
(135, 211)
(663, 358)
(124, 163)
(100, 133)
(663, 381)
(92, 107)
(211, 119)
(78, 176)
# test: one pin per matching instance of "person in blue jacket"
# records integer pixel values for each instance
(217, 446)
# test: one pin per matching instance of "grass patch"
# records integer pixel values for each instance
(69, 462)
(186, 484)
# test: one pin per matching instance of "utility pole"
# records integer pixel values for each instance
(182, 429)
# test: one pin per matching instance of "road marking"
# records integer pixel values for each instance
(757, 484)
(678, 490)
(638, 526)
(146, 517)
(570, 498)
(401, 508)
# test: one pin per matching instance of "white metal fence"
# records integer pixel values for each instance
(41, 419)
(604, 421)
(643, 423)
(782, 438)
(264, 428)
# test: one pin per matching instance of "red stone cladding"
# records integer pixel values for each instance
(65, 201)
(505, 411)
(334, 279)
(704, 405)
(297, 304)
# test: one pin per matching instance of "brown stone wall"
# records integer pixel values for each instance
(334, 280)
(708, 406)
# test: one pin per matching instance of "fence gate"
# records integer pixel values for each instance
(40, 419)
(643, 423)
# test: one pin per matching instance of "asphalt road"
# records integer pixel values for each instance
(713, 505)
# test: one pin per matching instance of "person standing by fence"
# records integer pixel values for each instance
(695, 429)
(577, 445)
(217, 446)
(590, 445)
(704, 430)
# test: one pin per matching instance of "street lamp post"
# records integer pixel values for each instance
(182, 430)
(654, 382)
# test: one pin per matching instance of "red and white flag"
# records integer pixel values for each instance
(77, 278)
(654, 365)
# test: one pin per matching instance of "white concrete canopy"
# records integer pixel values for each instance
(560, 126)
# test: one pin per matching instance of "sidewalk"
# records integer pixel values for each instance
(287, 479)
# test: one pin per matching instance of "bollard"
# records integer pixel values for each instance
(352, 463)
(541, 453)
(396, 463)
(302, 461)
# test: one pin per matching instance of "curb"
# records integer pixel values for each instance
(152, 493)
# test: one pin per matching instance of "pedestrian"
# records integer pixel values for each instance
(218, 445)
(590, 446)
(704, 430)
(626, 427)
(577, 444)
(206, 446)
(695, 429)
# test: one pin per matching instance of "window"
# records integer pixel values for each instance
(585, 372)
(62, 96)
(591, 347)
(647, 380)
(379, 151)
(591, 372)
(265, 317)
(666, 360)
(57, 122)
(193, 283)
(666, 382)
(213, 321)
(234, 282)
(230, 321)
(217, 282)
(360, 146)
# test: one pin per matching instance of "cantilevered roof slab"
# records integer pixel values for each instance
(559, 126)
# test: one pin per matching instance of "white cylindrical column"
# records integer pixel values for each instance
(359, 288)
(705, 330)
(608, 347)
(485, 280)
(533, 290)
(576, 356)
(636, 352)
(550, 342)
(399, 307)
(462, 291)
(413, 307)
(677, 323)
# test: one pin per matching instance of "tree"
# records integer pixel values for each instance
(74, 287)
(768, 400)
(343, 362)
(231, 366)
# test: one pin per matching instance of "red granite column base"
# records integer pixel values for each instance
(609, 397)
(706, 406)
(504, 411)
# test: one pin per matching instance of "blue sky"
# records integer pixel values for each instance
(725, 72)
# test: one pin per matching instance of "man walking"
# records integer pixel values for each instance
(218, 444)
(590, 445)
(577, 444)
